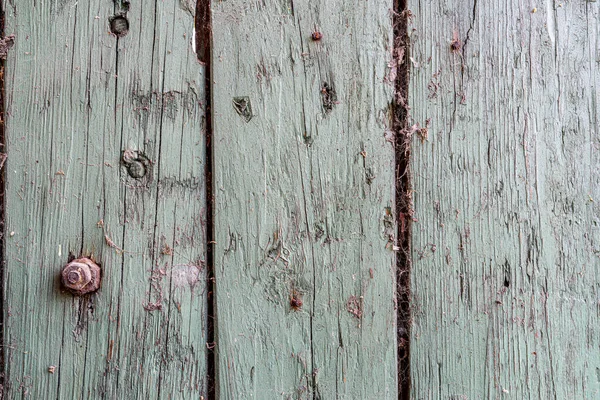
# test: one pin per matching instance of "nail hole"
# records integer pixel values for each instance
(243, 107)
(119, 25)
(328, 97)
(296, 300)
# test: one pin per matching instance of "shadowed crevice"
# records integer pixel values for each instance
(404, 203)
(203, 41)
(3, 156)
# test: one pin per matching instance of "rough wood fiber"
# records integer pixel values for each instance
(304, 194)
(506, 190)
(77, 97)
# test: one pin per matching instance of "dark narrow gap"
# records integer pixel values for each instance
(404, 208)
(203, 51)
(3, 155)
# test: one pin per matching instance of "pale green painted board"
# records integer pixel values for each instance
(506, 191)
(298, 208)
(76, 98)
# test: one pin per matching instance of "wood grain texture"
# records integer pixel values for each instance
(77, 98)
(304, 196)
(506, 191)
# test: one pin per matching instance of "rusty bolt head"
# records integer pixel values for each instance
(81, 276)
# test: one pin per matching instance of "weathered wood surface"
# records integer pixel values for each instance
(77, 97)
(506, 193)
(304, 195)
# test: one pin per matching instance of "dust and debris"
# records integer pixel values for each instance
(156, 284)
(434, 85)
(107, 238)
(354, 306)
(404, 207)
(5, 45)
(455, 45)
(424, 131)
(265, 70)
(396, 61)
(170, 104)
(448, 256)
(129, 156)
(388, 227)
(399, 52)
(149, 306)
(166, 250)
(429, 249)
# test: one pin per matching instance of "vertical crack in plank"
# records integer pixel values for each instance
(203, 40)
(404, 204)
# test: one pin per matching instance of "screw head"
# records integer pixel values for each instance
(137, 164)
(81, 276)
(119, 25)
(136, 169)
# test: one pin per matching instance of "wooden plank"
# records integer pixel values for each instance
(304, 196)
(506, 189)
(78, 97)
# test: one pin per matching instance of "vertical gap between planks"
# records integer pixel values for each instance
(203, 40)
(3, 156)
(404, 204)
